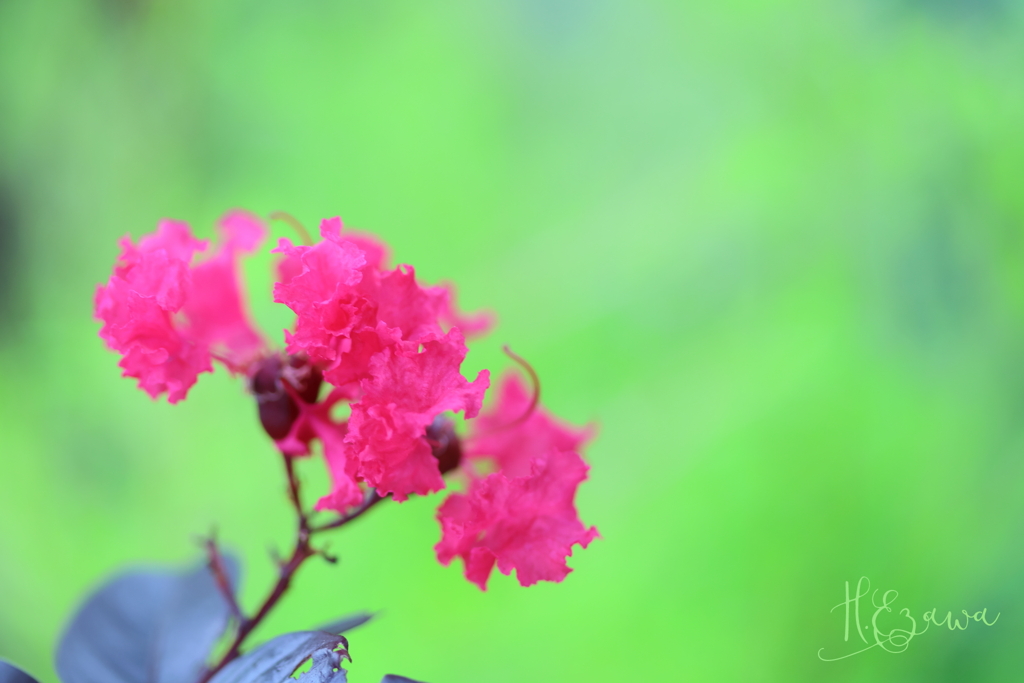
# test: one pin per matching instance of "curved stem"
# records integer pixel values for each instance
(371, 499)
(534, 400)
(534, 380)
(295, 224)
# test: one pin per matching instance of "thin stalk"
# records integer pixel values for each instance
(302, 551)
(371, 499)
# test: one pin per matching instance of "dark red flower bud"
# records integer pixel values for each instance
(304, 378)
(444, 443)
(277, 408)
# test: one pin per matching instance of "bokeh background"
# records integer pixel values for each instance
(775, 249)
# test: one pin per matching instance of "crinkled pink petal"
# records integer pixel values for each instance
(420, 311)
(499, 432)
(151, 282)
(376, 251)
(411, 308)
(215, 310)
(403, 309)
(479, 564)
(323, 294)
(391, 453)
(155, 353)
(407, 389)
(159, 266)
(242, 231)
(172, 238)
(353, 364)
(425, 382)
(526, 523)
(345, 492)
(290, 266)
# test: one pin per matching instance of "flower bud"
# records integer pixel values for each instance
(277, 408)
(444, 443)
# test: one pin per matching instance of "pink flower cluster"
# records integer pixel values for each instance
(384, 343)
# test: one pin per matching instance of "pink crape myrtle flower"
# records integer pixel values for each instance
(169, 318)
(389, 347)
(522, 516)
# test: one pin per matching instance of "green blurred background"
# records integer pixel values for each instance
(774, 249)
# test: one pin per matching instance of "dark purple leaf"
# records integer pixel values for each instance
(392, 678)
(12, 674)
(145, 626)
(346, 623)
(196, 617)
(111, 637)
(275, 661)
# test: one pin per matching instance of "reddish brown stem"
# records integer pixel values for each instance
(295, 225)
(371, 499)
(293, 492)
(534, 380)
(303, 550)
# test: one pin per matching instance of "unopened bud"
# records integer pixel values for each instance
(444, 443)
(277, 409)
